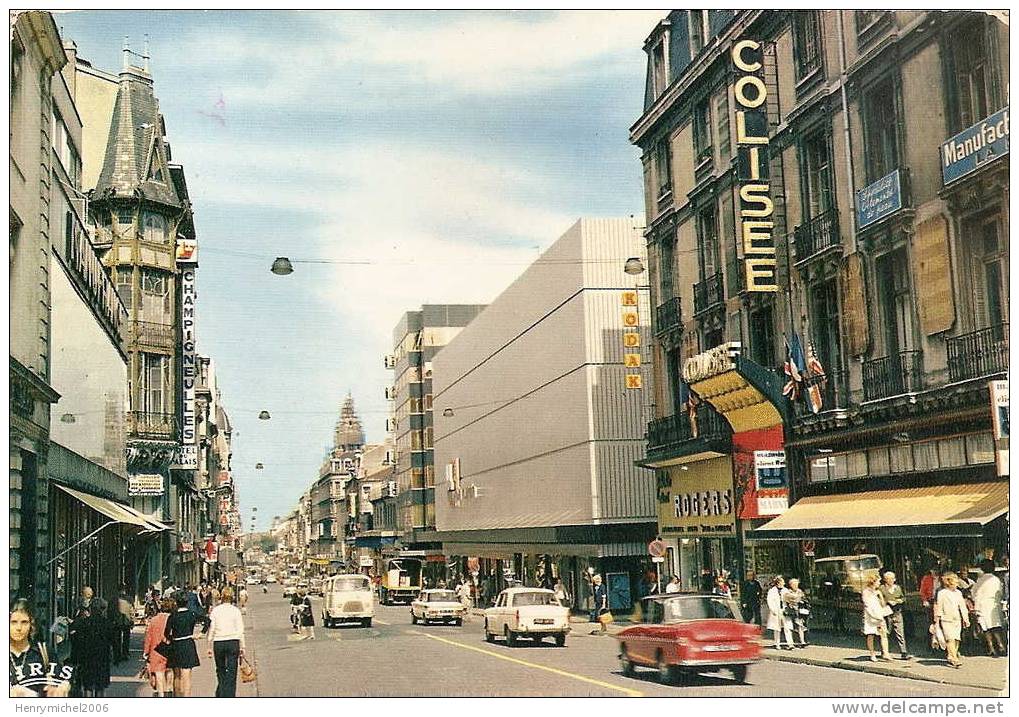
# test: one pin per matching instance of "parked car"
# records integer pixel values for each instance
(270, 579)
(347, 598)
(686, 633)
(527, 612)
(437, 606)
(315, 586)
(844, 573)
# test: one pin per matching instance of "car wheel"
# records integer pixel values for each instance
(458, 622)
(740, 673)
(511, 637)
(560, 640)
(666, 672)
(367, 622)
(625, 662)
(413, 618)
(489, 637)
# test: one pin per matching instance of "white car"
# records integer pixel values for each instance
(437, 606)
(347, 598)
(271, 579)
(527, 612)
(252, 580)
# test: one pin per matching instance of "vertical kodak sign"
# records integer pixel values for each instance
(756, 207)
(631, 338)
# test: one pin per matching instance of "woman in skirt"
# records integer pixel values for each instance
(307, 618)
(183, 656)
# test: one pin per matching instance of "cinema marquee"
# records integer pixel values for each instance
(756, 207)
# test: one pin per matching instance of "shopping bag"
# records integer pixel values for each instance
(606, 618)
(247, 671)
(938, 641)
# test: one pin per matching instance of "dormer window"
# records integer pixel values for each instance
(698, 31)
(659, 68)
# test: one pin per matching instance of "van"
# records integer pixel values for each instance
(844, 573)
(347, 598)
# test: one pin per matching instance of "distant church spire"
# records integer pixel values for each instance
(349, 435)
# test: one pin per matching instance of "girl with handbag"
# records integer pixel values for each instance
(182, 655)
(874, 613)
(160, 676)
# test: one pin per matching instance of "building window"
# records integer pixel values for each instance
(806, 42)
(818, 183)
(668, 266)
(707, 242)
(970, 75)
(866, 19)
(698, 30)
(714, 337)
(762, 336)
(659, 68)
(702, 131)
(722, 126)
(880, 126)
(155, 383)
(155, 228)
(895, 302)
(824, 324)
(125, 286)
(125, 218)
(155, 297)
(663, 165)
(988, 270)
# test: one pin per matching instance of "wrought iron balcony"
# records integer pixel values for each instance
(817, 235)
(834, 391)
(708, 294)
(677, 435)
(153, 334)
(145, 424)
(668, 316)
(893, 375)
(978, 353)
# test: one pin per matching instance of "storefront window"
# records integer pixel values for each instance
(901, 458)
(979, 448)
(952, 452)
(877, 459)
(925, 455)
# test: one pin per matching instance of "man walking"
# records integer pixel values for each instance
(750, 598)
(894, 598)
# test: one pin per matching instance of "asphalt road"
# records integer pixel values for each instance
(393, 658)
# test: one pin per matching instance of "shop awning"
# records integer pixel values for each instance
(116, 511)
(928, 511)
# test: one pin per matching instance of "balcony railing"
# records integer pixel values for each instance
(834, 391)
(153, 334)
(708, 293)
(667, 435)
(668, 316)
(817, 235)
(893, 375)
(146, 424)
(978, 353)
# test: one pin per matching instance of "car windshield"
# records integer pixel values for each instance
(351, 583)
(441, 596)
(868, 563)
(708, 607)
(535, 598)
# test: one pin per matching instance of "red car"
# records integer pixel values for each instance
(689, 633)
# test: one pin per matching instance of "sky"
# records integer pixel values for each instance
(397, 158)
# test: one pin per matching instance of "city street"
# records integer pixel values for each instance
(393, 658)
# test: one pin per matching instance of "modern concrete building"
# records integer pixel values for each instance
(828, 189)
(540, 410)
(418, 337)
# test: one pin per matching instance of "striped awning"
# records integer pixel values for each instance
(119, 512)
(927, 511)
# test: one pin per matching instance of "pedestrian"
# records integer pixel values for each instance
(560, 593)
(750, 598)
(778, 621)
(242, 600)
(296, 607)
(895, 623)
(600, 604)
(226, 643)
(874, 613)
(183, 655)
(722, 587)
(988, 597)
(797, 610)
(707, 580)
(27, 658)
(87, 594)
(674, 585)
(125, 610)
(951, 615)
(91, 649)
(160, 675)
(464, 593)
(307, 617)
(152, 599)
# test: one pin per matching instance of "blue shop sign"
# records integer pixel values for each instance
(974, 147)
(879, 200)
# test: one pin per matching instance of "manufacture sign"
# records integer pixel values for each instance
(879, 200)
(974, 147)
(189, 368)
(756, 207)
(145, 484)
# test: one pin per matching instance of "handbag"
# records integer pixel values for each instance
(606, 618)
(164, 649)
(247, 671)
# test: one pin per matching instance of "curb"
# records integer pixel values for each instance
(878, 669)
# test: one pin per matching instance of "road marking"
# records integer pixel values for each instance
(381, 622)
(525, 663)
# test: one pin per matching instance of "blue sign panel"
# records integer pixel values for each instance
(974, 147)
(879, 200)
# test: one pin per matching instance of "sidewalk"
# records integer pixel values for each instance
(848, 652)
(124, 680)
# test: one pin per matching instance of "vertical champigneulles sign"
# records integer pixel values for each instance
(756, 207)
(186, 260)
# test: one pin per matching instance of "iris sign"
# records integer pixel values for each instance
(975, 146)
(756, 207)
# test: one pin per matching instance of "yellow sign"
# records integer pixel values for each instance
(629, 298)
(700, 500)
(756, 207)
(631, 360)
(633, 380)
(631, 340)
(630, 319)
(712, 362)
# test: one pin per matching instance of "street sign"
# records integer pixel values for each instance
(656, 548)
(657, 559)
